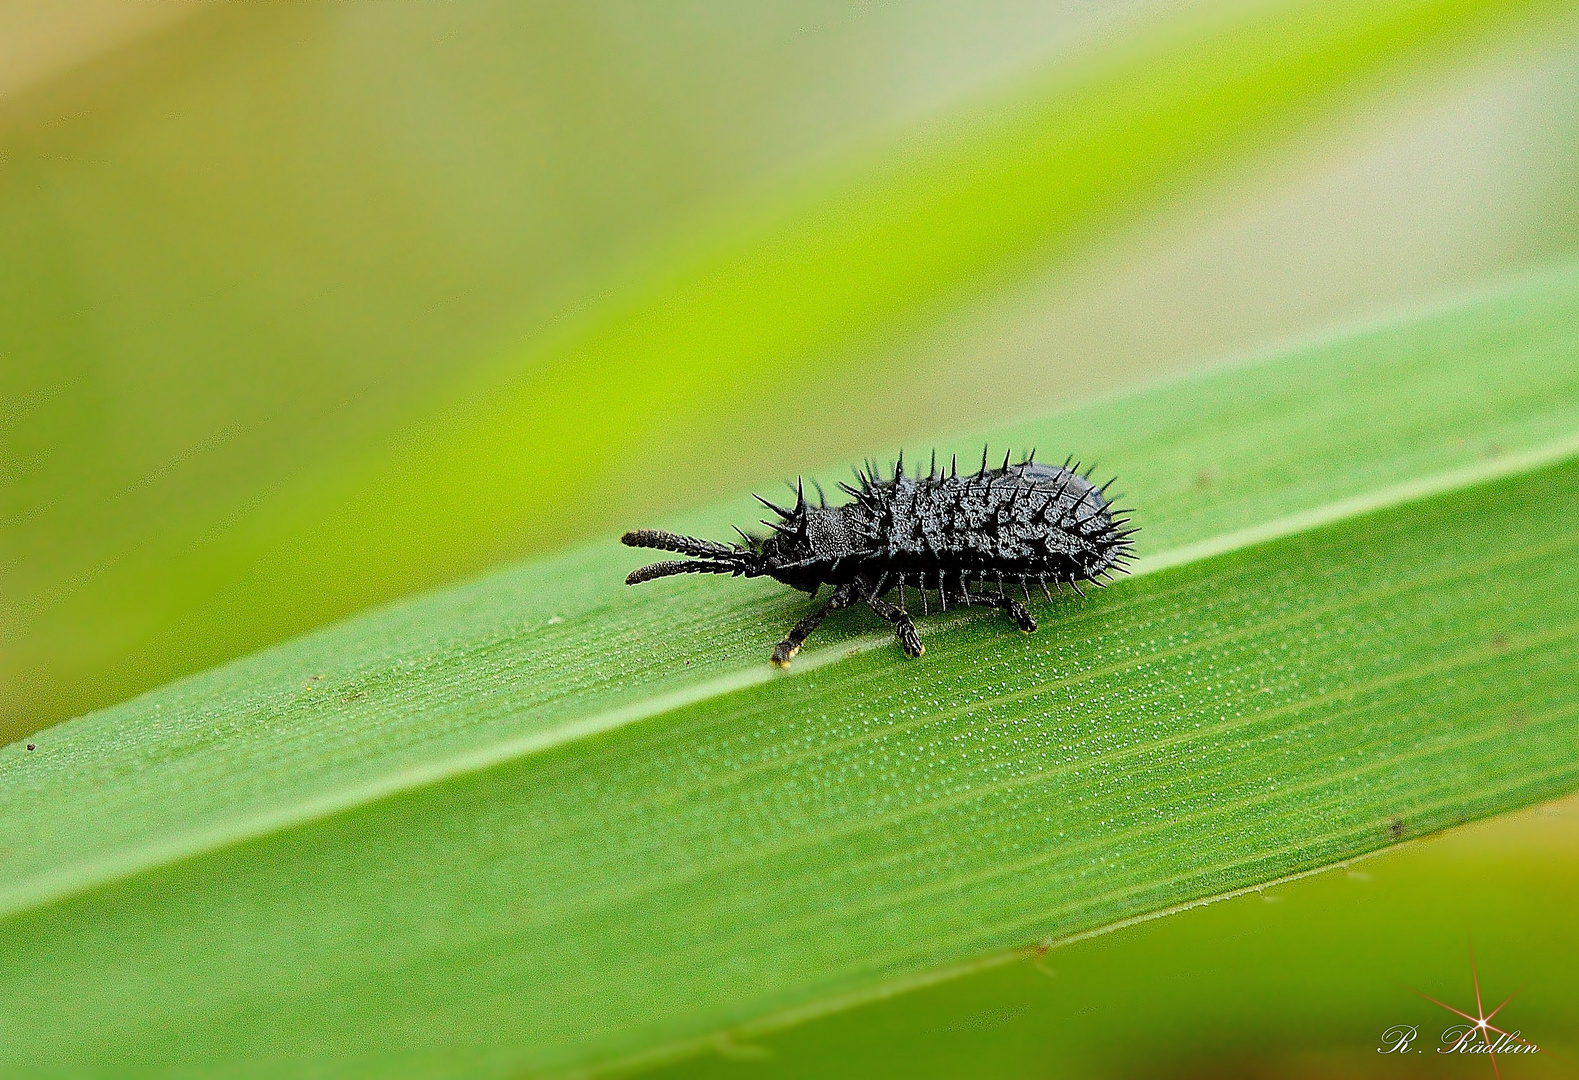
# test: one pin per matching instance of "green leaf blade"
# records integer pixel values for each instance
(566, 822)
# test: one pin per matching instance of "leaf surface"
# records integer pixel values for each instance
(1299, 979)
(546, 821)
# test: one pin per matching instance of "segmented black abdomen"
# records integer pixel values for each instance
(1029, 523)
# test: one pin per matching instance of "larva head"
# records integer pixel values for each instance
(806, 541)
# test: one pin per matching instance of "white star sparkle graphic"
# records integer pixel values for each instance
(1481, 1020)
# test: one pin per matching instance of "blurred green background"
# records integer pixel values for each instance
(304, 306)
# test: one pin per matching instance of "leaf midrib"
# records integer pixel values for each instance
(41, 890)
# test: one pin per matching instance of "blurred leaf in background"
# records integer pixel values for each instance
(304, 306)
(267, 236)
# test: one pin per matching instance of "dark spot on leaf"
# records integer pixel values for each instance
(30, 746)
(352, 696)
(1205, 479)
(1499, 642)
(1396, 829)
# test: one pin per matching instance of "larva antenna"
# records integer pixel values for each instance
(711, 556)
(685, 545)
(669, 569)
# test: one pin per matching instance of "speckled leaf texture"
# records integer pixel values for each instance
(545, 823)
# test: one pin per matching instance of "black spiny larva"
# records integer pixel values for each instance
(945, 534)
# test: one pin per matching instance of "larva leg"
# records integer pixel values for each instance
(904, 628)
(1010, 607)
(842, 597)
